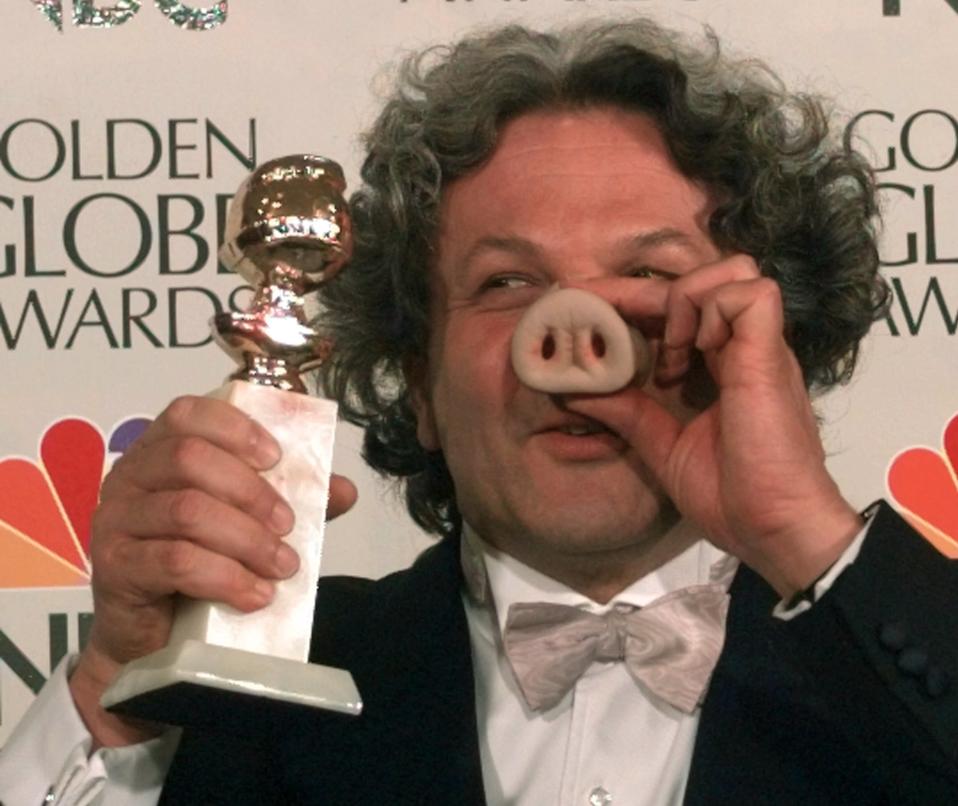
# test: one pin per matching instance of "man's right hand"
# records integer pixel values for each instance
(184, 511)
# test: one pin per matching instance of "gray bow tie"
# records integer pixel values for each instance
(670, 646)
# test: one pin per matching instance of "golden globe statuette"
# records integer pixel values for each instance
(287, 232)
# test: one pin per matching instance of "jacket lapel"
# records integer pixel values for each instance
(406, 642)
(767, 735)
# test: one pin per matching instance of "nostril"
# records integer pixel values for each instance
(548, 347)
(598, 344)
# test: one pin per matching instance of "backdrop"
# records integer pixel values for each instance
(124, 129)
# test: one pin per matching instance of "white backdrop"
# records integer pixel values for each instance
(98, 306)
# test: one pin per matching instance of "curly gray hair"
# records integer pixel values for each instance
(790, 195)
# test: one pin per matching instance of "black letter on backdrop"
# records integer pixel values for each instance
(914, 321)
(69, 235)
(75, 152)
(30, 245)
(5, 153)
(174, 147)
(20, 665)
(11, 337)
(892, 8)
(174, 299)
(164, 233)
(849, 136)
(906, 139)
(222, 209)
(100, 320)
(130, 318)
(9, 251)
(248, 161)
(111, 148)
(912, 237)
(931, 242)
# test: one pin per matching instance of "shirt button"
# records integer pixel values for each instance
(599, 797)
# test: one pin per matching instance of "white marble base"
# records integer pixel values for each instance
(232, 670)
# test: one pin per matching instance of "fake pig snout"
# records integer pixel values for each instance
(572, 341)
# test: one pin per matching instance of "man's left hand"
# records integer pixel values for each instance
(749, 468)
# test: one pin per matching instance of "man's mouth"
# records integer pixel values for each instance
(583, 429)
(580, 426)
(581, 439)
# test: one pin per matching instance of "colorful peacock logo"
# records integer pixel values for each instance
(46, 506)
(924, 484)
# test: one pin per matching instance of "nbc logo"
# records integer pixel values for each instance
(46, 506)
(924, 484)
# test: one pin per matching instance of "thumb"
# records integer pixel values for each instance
(649, 430)
(342, 496)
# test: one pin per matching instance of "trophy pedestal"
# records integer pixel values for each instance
(223, 667)
(209, 686)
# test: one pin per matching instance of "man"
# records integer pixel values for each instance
(715, 213)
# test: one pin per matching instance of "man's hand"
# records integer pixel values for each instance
(184, 511)
(749, 468)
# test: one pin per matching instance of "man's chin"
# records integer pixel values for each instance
(600, 525)
(598, 556)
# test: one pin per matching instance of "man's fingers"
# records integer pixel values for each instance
(342, 496)
(217, 422)
(673, 308)
(640, 301)
(751, 309)
(199, 518)
(158, 568)
(645, 425)
(687, 293)
(672, 363)
(715, 329)
(181, 462)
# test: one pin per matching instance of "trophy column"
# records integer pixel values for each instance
(287, 232)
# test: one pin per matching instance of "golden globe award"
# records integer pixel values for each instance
(288, 231)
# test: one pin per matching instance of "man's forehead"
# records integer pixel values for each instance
(596, 178)
(596, 141)
(603, 157)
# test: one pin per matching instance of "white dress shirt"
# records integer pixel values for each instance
(607, 742)
(47, 759)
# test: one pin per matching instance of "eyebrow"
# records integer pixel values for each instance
(510, 243)
(659, 237)
(517, 245)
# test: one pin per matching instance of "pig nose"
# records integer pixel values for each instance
(572, 341)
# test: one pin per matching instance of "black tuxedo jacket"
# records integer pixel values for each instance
(849, 703)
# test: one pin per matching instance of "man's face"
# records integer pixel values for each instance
(567, 196)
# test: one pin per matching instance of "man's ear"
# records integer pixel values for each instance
(417, 381)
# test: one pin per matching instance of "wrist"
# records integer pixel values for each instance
(794, 562)
(91, 677)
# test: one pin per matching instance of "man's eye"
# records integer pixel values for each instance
(646, 272)
(507, 281)
(508, 291)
